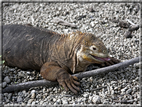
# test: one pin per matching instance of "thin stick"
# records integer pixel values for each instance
(65, 23)
(27, 85)
(121, 65)
(130, 22)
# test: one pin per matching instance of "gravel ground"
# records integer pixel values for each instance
(114, 88)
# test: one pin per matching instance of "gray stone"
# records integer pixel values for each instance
(129, 91)
(23, 104)
(33, 95)
(9, 96)
(20, 93)
(7, 100)
(7, 79)
(113, 82)
(96, 99)
(4, 84)
(86, 94)
(64, 101)
(92, 24)
(59, 101)
(112, 92)
(30, 101)
(5, 71)
(28, 72)
(123, 90)
(12, 69)
(105, 102)
(19, 99)
(24, 92)
(41, 102)
(66, 31)
(54, 99)
(137, 65)
(33, 103)
(33, 91)
(21, 74)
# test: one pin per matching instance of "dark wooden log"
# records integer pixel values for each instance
(28, 85)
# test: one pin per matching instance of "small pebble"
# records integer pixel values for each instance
(19, 99)
(64, 102)
(4, 84)
(33, 103)
(30, 101)
(86, 95)
(129, 91)
(32, 95)
(41, 102)
(7, 79)
(96, 99)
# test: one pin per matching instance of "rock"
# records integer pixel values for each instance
(64, 101)
(7, 100)
(24, 92)
(112, 92)
(28, 72)
(92, 24)
(113, 82)
(9, 96)
(90, 9)
(59, 101)
(20, 93)
(41, 102)
(137, 65)
(19, 99)
(86, 94)
(4, 84)
(6, 71)
(21, 74)
(96, 99)
(33, 95)
(23, 104)
(33, 103)
(105, 101)
(82, 16)
(129, 91)
(30, 101)
(7, 79)
(54, 99)
(66, 31)
(123, 90)
(12, 69)
(33, 91)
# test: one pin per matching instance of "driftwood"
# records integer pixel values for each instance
(62, 22)
(28, 85)
(128, 25)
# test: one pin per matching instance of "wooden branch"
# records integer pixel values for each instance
(114, 67)
(28, 85)
(62, 22)
(127, 24)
